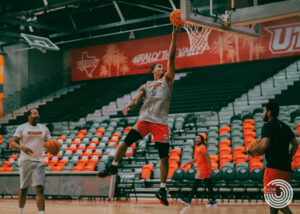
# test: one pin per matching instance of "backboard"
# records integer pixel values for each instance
(239, 16)
(39, 42)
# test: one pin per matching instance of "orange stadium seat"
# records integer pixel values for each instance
(248, 121)
(90, 167)
(172, 169)
(175, 152)
(237, 151)
(147, 171)
(75, 142)
(14, 156)
(8, 169)
(78, 168)
(249, 134)
(100, 131)
(82, 132)
(224, 129)
(214, 165)
(226, 158)
(248, 128)
(225, 150)
(214, 158)
(88, 153)
(92, 146)
(223, 161)
(225, 142)
(82, 147)
(186, 168)
(96, 141)
(256, 165)
(127, 129)
(94, 159)
(241, 158)
(98, 154)
(174, 159)
(129, 152)
(62, 137)
(57, 168)
(6, 164)
(118, 134)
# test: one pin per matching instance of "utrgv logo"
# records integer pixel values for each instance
(87, 63)
(284, 38)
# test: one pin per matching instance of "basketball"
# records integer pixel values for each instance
(52, 146)
(175, 17)
(253, 144)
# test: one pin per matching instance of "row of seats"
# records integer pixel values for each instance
(92, 149)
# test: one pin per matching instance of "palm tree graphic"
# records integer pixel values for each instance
(222, 44)
(114, 57)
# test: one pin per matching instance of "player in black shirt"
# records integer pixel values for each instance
(275, 142)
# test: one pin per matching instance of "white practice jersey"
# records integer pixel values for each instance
(33, 137)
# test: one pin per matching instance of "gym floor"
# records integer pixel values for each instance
(143, 206)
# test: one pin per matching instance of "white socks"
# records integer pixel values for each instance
(163, 185)
(115, 163)
(21, 211)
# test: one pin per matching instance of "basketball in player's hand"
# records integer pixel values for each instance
(175, 17)
(52, 146)
(252, 145)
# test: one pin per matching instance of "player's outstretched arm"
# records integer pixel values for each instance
(135, 101)
(172, 53)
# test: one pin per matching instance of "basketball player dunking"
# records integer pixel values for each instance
(153, 117)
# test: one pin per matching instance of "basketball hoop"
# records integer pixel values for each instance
(198, 37)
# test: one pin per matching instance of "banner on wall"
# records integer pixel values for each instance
(278, 38)
(1, 84)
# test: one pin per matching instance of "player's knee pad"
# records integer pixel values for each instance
(132, 137)
(163, 149)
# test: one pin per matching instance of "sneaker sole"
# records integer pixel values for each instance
(163, 203)
(161, 200)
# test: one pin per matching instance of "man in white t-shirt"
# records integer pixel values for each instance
(30, 139)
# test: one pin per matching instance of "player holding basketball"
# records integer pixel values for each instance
(153, 117)
(276, 138)
(203, 172)
(30, 138)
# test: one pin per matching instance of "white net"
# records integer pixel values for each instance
(198, 37)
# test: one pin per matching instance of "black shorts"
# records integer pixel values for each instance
(134, 135)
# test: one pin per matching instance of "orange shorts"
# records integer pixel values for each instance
(202, 175)
(159, 132)
(272, 174)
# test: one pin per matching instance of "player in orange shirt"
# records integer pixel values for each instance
(203, 171)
